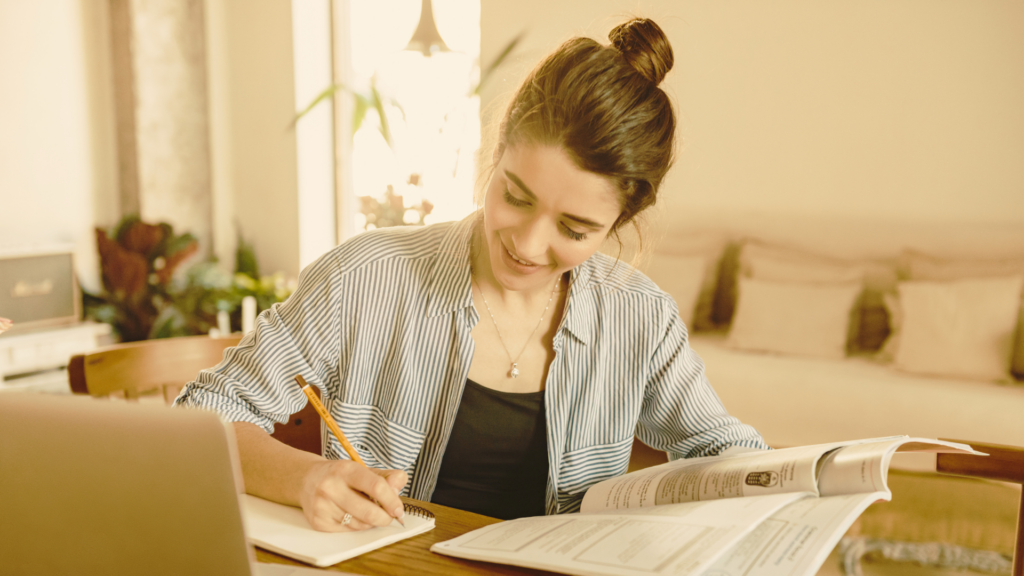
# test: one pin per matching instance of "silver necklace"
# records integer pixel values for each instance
(514, 372)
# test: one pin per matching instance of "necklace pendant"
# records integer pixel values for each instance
(515, 371)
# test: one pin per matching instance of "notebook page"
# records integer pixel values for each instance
(284, 529)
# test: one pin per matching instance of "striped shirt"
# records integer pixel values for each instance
(381, 324)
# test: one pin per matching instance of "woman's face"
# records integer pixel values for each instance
(543, 216)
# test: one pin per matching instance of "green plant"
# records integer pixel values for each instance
(363, 102)
(373, 99)
(137, 264)
(145, 298)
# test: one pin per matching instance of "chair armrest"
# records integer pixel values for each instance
(1003, 463)
(76, 374)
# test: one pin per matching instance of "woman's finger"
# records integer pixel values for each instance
(377, 488)
(354, 524)
(396, 478)
(327, 516)
(324, 515)
(364, 509)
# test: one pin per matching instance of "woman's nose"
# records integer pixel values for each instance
(531, 240)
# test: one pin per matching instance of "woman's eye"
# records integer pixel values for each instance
(512, 200)
(573, 235)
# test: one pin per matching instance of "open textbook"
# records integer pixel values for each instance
(778, 512)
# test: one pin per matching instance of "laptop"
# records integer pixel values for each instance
(90, 486)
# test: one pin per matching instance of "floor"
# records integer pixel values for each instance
(833, 567)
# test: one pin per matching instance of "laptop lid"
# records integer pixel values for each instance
(91, 486)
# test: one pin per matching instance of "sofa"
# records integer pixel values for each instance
(816, 331)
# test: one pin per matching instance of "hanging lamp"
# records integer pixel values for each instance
(426, 39)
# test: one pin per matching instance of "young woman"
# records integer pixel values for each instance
(499, 364)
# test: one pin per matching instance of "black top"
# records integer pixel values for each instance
(496, 461)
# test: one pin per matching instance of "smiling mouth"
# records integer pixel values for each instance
(519, 260)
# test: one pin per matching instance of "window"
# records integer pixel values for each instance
(424, 149)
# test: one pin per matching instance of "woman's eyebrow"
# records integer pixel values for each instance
(519, 184)
(584, 221)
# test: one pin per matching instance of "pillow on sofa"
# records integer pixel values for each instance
(793, 318)
(920, 266)
(709, 247)
(682, 277)
(878, 275)
(869, 326)
(962, 328)
(924, 267)
(756, 263)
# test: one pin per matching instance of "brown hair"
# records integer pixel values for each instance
(602, 105)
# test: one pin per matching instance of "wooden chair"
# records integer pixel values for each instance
(160, 368)
(643, 456)
(1003, 463)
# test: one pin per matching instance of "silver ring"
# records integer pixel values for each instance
(346, 520)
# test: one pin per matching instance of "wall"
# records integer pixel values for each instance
(314, 134)
(58, 163)
(888, 121)
(253, 150)
(169, 104)
(58, 154)
(58, 173)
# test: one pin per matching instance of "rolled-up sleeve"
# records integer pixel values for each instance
(301, 336)
(681, 414)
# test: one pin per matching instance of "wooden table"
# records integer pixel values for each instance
(412, 556)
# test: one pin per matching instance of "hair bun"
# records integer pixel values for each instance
(645, 47)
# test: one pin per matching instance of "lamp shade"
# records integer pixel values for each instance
(426, 39)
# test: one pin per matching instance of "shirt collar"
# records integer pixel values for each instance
(580, 318)
(449, 288)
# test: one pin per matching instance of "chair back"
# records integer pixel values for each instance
(1003, 463)
(137, 369)
(161, 368)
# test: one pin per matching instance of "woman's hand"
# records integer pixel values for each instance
(326, 490)
(333, 488)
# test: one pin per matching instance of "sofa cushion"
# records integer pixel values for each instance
(793, 318)
(919, 266)
(869, 325)
(682, 277)
(961, 328)
(707, 246)
(767, 262)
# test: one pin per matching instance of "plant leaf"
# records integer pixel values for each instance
(245, 258)
(359, 112)
(378, 104)
(324, 95)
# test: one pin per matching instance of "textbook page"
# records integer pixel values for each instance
(712, 478)
(855, 466)
(795, 540)
(676, 539)
(865, 467)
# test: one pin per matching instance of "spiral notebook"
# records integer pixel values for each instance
(284, 530)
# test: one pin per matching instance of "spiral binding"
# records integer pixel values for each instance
(419, 512)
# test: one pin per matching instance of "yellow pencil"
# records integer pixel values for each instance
(326, 416)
